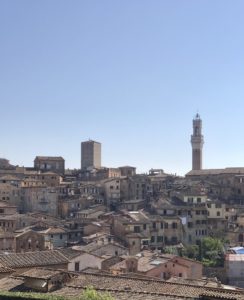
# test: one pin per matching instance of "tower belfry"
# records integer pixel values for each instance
(197, 143)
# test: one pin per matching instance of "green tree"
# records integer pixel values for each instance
(212, 251)
(91, 294)
(191, 251)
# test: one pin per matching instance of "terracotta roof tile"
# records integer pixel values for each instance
(122, 284)
(31, 259)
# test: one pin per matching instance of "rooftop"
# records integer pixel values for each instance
(70, 253)
(32, 259)
(235, 171)
(147, 287)
(40, 273)
(49, 158)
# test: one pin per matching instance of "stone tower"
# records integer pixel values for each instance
(90, 154)
(197, 143)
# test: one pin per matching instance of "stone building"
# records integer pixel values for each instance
(90, 154)
(112, 192)
(55, 237)
(10, 193)
(21, 241)
(137, 187)
(142, 231)
(40, 199)
(50, 163)
(68, 207)
(127, 171)
(49, 179)
(7, 217)
(159, 266)
(5, 165)
(234, 264)
(44, 280)
(165, 230)
(96, 174)
(225, 184)
(133, 228)
(27, 241)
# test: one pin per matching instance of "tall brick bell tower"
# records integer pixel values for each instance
(197, 143)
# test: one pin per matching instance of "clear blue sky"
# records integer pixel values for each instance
(130, 74)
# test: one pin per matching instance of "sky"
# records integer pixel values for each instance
(130, 74)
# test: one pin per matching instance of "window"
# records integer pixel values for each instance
(144, 226)
(159, 239)
(218, 213)
(77, 266)
(166, 225)
(189, 224)
(61, 236)
(180, 274)
(137, 229)
(174, 225)
(1, 211)
(198, 200)
(152, 239)
(154, 225)
(162, 225)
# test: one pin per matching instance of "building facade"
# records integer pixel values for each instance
(50, 163)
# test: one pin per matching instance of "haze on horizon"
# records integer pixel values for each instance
(129, 74)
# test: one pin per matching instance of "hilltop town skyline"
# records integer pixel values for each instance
(121, 158)
(130, 75)
(199, 163)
